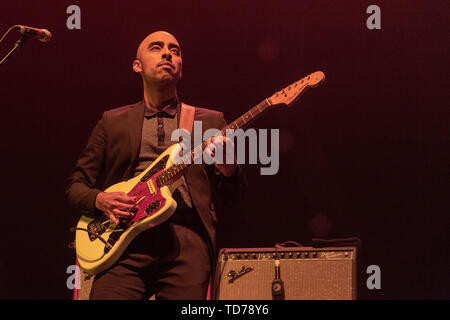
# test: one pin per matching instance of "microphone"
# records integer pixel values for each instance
(42, 35)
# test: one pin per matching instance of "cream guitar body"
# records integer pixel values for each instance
(100, 242)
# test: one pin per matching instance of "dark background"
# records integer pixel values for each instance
(366, 154)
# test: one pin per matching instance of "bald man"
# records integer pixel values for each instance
(175, 259)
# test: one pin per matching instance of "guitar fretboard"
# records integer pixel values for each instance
(176, 169)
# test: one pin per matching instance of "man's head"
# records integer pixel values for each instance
(158, 59)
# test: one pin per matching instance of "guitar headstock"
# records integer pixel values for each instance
(291, 93)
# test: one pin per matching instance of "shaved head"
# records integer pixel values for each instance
(158, 60)
(154, 36)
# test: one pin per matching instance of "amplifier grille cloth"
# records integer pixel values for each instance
(318, 278)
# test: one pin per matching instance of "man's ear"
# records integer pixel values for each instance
(137, 67)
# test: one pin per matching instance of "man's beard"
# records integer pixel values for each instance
(163, 80)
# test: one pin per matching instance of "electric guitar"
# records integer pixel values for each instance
(99, 242)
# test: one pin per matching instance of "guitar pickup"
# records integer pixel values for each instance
(155, 205)
(151, 187)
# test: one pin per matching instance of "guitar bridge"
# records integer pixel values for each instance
(97, 227)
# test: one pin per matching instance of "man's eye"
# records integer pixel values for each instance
(155, 48)
(175, 51)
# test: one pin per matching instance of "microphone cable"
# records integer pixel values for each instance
(19, 43)
(7, 33)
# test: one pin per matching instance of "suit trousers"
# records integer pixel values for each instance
(170, 261)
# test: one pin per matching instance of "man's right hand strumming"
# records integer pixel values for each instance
(115, 205)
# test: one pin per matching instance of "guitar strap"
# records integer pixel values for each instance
(185, 122)
(187, 117)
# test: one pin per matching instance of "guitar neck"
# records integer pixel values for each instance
(286, 96)
(175, 170)
(248, 117)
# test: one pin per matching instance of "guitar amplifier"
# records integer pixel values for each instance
(83, 283)
(306, 273)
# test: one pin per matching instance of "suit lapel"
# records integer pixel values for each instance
(135, 119)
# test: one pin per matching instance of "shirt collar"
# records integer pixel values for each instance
(170, 109)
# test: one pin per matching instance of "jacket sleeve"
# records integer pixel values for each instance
(81, 191)
(230, 190)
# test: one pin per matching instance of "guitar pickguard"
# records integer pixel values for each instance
(151, 203)
(156, 168)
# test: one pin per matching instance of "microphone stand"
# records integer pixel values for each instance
(19, 44)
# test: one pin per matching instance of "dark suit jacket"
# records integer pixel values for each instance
(110, 157)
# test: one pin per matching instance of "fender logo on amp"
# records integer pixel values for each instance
(233, 275)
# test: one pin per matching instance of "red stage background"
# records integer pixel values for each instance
(366, 154)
